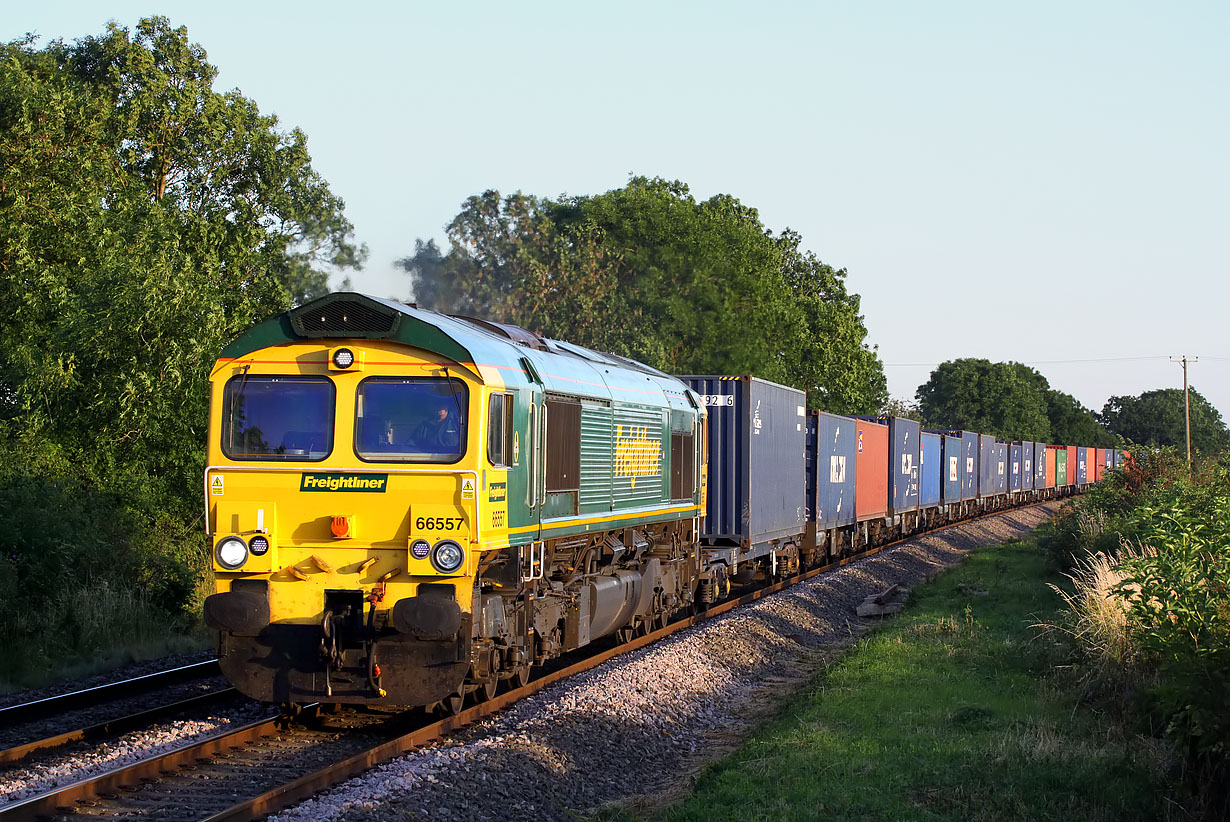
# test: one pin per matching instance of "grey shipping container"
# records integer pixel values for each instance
(1039, 465)
(988, 482)
(1084, 470)
(831, 444)
(953, 469)
(1027, 466)
(756, 475)
(1016, 462)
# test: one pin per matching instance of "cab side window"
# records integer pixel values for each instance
(499, 430)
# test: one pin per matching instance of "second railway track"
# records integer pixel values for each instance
(264, 766)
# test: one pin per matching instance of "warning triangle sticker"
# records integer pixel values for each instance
(216, 484)
(466, 485)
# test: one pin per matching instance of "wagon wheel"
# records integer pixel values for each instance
(520, 677)
(451, 705)
(486, 690)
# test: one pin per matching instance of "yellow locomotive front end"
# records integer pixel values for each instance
(343, 500)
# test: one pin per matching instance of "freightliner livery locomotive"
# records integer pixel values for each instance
(409, 508)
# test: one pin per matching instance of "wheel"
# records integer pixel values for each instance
(486, 690)
(451, 705)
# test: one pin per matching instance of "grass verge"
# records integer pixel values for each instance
(951, 711)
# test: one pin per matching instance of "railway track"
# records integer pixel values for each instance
(248, 772)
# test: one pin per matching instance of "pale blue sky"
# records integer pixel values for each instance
(1062, 164)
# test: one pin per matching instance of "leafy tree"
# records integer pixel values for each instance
(1157, 418)
(145, 219)
(901, 408)
(1073, 423)
(648, 272)
(991, 398)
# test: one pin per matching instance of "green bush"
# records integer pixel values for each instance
(91, 575)
(1174, 595)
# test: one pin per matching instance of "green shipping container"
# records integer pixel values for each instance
(1061, 466)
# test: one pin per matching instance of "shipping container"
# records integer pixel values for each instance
(1099, 463)
(1108, 460)
(953, 468)
(967, 468)
(1001, 466)
(903, 460)
(1071, 464)
(1083, 463)
(1027, 466)
(1040, 467)
(1119, 456)
(756, 459)
(830, 470)
(988, 458)
(1016, 465)
(930, 470)
(871, 470)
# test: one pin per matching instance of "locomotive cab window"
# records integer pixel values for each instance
(499, 430)
(277, 418)
(420, 419)
(683, 465)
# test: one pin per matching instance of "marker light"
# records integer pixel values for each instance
(259, 546)
(232, 553)
(343, 358)
(447, 556)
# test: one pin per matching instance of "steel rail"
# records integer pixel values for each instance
(311, 784)
(89, 697)
(113, 727)
(62, 800)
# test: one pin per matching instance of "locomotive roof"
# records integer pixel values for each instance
(477, 344)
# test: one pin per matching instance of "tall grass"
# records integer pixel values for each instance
(1151, 621)
(1095, 611)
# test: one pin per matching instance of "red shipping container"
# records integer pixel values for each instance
(1051, 465)
(871, 470)
(1099, 464)
(1073, 464)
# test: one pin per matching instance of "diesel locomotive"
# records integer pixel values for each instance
(410, 508)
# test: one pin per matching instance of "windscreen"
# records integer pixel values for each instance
(410, 420)
(278, 418)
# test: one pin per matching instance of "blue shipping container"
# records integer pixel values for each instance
(756, 459)
(930, 471)
(1016, 459)
(1039, 465)
(903, 459)
(830, 470)
(1027, 466)
(969, 462)
(1001, 456)
(988, 482)
(1083, 469)
(953, 468)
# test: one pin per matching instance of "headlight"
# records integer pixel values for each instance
(231, 553)
(447, 556)
(343, 358)
(258, 545)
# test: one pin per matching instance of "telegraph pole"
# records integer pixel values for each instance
(1187, 406)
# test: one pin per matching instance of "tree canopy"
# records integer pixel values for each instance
(649, 272)
(144, 219)
(1157, 418)
(1010, 400)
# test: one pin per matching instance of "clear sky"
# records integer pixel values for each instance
(1043, 182)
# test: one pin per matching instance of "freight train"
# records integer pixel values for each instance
(410, 508)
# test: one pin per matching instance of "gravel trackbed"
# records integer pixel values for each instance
(641, 724)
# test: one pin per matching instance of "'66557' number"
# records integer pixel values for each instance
(438, 523)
